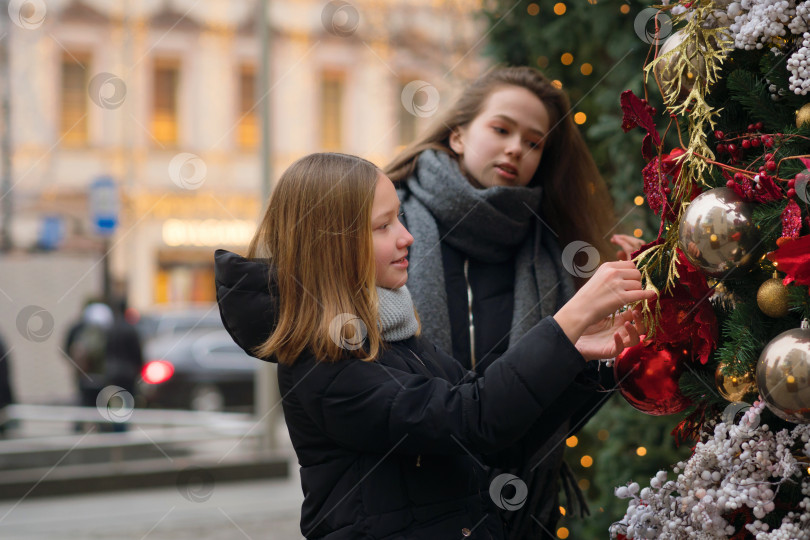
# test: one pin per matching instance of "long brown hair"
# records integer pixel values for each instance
(317, 233)
(576, 202)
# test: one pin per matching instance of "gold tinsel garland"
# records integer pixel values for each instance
(713, 45)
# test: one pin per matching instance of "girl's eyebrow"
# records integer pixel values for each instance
(388, 213)
(512, 121)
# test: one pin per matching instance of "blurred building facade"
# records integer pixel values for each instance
(161, 97)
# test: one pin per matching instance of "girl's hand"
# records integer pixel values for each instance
(610, 336)
(628, 245)
(613, 286)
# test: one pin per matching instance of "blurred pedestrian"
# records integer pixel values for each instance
(124, 355)
(6, 392)
(86, 346)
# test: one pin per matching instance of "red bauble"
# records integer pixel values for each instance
(648, 378)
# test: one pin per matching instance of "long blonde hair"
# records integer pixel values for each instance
(316, 232)
(576, 202)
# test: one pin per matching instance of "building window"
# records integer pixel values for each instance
(164, 114)
(332, 85)
(247, 131)
(73, 122)
(407, 125)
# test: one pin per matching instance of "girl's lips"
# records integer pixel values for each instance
(401, 263)
(506, 171)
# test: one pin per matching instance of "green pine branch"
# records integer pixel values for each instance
(752, 93)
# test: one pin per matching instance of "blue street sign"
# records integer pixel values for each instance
(104, 205)
(51, 232)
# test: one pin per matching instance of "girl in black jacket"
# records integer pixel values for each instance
(510, 215)
(394, 437)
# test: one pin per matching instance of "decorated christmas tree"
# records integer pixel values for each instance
(727, 150)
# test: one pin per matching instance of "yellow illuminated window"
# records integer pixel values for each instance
(247, 130)
(73, 121)
(164, 113)
(332, 86)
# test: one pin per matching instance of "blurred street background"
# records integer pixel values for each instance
(137, 136)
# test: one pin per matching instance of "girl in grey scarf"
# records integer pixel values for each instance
(505, 182)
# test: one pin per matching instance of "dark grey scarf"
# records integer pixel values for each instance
(490, 225)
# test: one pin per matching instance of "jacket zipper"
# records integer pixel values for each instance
(419, 456)
(470, 312)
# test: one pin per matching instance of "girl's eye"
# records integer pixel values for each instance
(500, 130)
(535, 144)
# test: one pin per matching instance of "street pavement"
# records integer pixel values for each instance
(254, 510)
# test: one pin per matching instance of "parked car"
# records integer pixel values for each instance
(178, 320)
(200, 369)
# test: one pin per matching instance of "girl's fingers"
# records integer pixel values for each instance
(632, 333)
(617, 339)
(627, 243)
(637, 295)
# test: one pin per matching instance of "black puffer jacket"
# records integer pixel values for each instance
(401, 447)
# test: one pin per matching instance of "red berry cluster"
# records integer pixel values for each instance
(750, 139)
(802, 176)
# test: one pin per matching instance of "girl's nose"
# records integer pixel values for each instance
(405, 239)
(513, 147)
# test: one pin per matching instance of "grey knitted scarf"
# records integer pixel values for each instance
(397, 316)
(490, 225)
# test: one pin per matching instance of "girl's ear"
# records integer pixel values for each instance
(456, 141)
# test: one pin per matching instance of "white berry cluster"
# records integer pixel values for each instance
(739, 466)
(799, 66)
(799, 24)
(756, 22)
(776, 92)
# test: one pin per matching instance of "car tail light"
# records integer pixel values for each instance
(157, 371)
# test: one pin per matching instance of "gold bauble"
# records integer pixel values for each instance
(717, 234)
(783, 375)
(803, 115)
(665, 68)
(732, 387)
(772, 298)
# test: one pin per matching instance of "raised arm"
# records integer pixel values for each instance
(372, 407)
